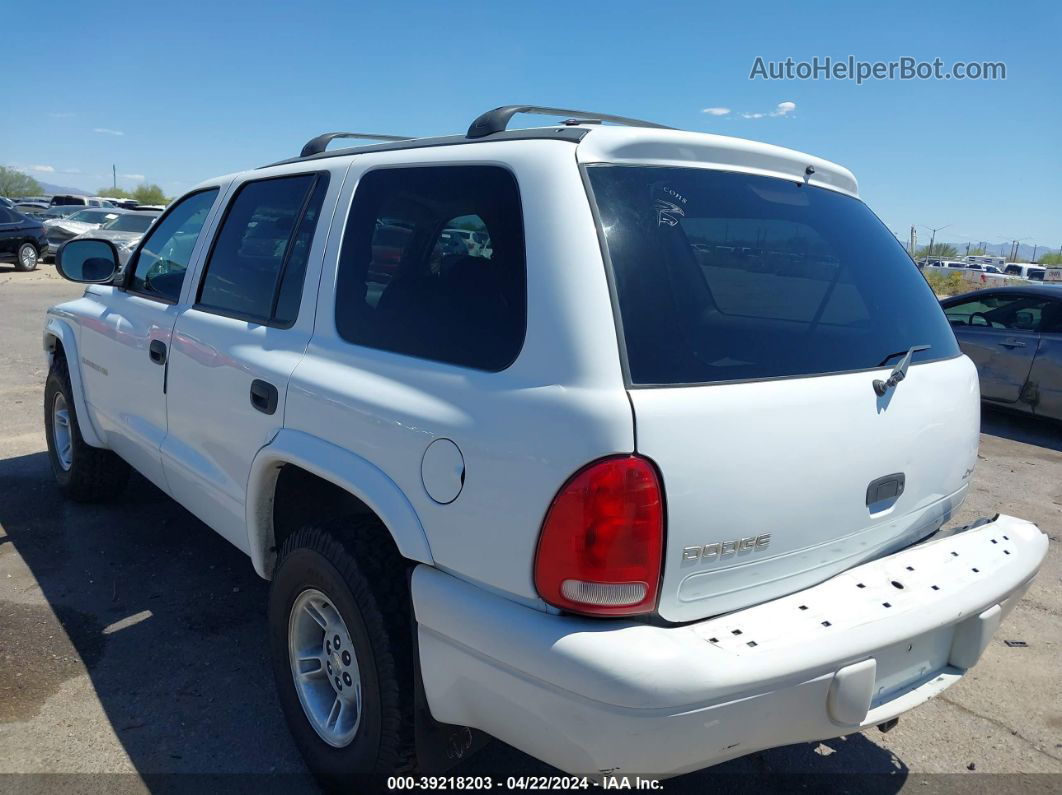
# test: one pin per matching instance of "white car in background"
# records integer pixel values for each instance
(59, 230)
(125, 231)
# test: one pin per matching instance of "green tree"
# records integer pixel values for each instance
(1051, 259)
(14, 183)
(941, 250)
(149, 193)
(113, 193)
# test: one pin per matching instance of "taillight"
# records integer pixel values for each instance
(600, 547)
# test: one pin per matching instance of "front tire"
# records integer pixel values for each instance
(83, 473)
(27, 257)
(348, 704)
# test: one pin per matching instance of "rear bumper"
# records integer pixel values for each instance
(854, 651)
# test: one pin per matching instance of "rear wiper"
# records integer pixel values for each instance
(899, 372)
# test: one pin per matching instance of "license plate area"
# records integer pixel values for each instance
(906, 664)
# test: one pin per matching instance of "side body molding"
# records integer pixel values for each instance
(56, 328)
(336, 465)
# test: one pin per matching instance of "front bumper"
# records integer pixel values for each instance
(590, 696)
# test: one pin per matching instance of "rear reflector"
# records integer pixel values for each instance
(601, 542)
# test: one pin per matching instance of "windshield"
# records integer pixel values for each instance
(130, 223)
(723, 276)
(93, 216)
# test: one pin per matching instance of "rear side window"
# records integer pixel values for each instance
(256, 268)
(432, 265)
(724, 277)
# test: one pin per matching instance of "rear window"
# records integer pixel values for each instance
(722, 276)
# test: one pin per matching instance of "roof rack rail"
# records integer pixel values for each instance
(496, 120)
(317, 145)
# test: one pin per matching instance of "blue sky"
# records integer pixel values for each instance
(177, 92)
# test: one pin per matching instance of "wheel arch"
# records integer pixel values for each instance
(60, 340)
(363, 482)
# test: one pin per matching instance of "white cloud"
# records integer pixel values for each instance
(44, 169)
(716, 111)
(138, 177)
(107, 131)
(61, 114)
(781, 109)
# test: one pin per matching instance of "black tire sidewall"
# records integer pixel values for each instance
(58, 383)
(300, 570)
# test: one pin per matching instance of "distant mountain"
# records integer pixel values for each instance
(1002, 249)
(49, 188)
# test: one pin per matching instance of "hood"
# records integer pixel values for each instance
(73, 227)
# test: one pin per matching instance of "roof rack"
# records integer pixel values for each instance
(496, 120)
(317, 145)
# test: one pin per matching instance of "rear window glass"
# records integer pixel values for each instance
(723, 276)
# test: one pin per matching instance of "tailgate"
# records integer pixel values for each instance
(767, 483)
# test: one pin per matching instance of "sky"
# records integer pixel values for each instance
(174, 93)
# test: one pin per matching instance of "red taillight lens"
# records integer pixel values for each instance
(600, 546)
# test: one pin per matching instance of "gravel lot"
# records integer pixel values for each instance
(132, 638)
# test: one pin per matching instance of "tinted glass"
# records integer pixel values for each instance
(268, 228)
(1003, 311)
(723, 276)
(7, 217)
(414, 280)
(165, 253)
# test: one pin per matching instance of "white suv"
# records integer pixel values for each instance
(652, 482)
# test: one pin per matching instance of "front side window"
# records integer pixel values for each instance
(160, 266)
(723, 276)
(433, 265)
(256, 268)
(1001, 311)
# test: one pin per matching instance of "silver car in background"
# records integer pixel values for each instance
(125, 231)
(1014, 336)
(59, 230)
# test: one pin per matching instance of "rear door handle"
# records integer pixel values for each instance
(264, 396)
(157, 351)
(1012, 343)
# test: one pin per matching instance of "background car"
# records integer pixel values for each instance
(83, 201)
(21, 239)
(125, 231)
(60, 230)
(6, 202)
(1014, 336)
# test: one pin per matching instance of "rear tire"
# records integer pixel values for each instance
(83, 473)
(27, 257)
(356, 585)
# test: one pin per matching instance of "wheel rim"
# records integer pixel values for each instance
(324, 668)
(62, 435)
(28, 256)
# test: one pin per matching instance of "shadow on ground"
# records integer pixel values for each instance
(168, 620)
(1017, 427)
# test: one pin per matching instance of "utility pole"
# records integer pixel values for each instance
(114, 176)
(912, 246)
(933, 237)
(1035, 246)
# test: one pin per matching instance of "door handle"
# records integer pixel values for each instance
(1012, 343)
(157, 351)
(264, 396)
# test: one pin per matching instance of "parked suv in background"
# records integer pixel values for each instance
(653, 480)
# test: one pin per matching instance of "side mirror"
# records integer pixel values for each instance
(87, 261)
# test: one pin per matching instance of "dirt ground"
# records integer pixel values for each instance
(133, 642)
